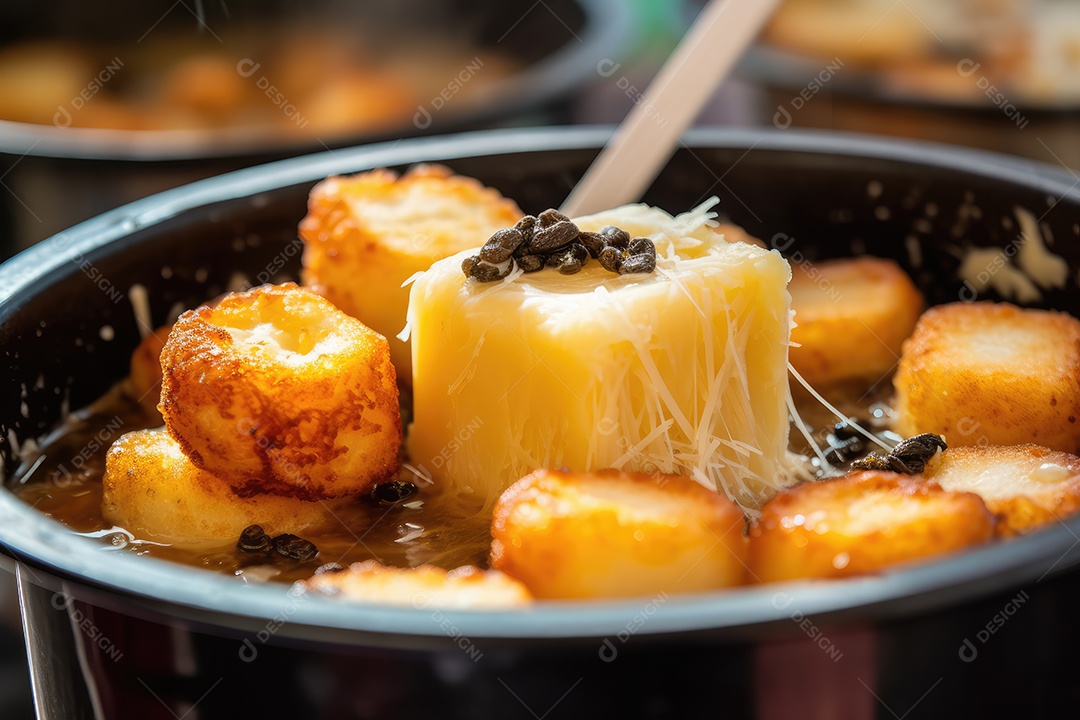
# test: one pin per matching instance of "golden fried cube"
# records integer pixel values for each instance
(862, 523)
(1025, 486)
(366, 235)
(851, 318)
(422, 587)
(992, 374)
(275, 390)
(152, 489)
(609, 534)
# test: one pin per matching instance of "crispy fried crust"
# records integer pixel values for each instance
(1025, 486)
(422, 587)
(366, 235)
(861, 523)
(276, 391)
(144, 380)
(992, 373)
(851, 317)
(151, 489)
(610, 534)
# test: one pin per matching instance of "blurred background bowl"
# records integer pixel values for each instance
(99, 107)
(1002, 75)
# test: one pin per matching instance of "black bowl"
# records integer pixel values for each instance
(139, 637)
(54, 177)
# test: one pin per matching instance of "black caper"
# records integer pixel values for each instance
(549, 218)
(611, 258)
(615, 237)
(872, 461)
(530, 263)
(501, 246)
(638, 264)
(393, 491)
(549, 238)
(330, 567)
(593, 241)
(641, 246)
(910, 456)
(469, 264)
(254, 539)
(526, 225)
(570, 259)
(295, 548)
(483, 271)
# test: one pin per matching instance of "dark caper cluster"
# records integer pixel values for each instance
(551, 239)
(908, 457)
(254, 539)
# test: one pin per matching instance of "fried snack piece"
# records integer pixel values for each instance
(860, 523)
(208, 86)
(609, 534)
(276, 391)
(851, 317)
(366, 235)
(356, 100)
(857, 33)
(39, 81)
(151, 489)
(144, 378)
(992, 374)
(1025, 486)
(422, 587)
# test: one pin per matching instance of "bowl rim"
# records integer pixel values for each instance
(35, 541)
(605, 33)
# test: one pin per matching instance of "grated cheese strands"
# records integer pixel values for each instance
(683, 370)
(841, 416)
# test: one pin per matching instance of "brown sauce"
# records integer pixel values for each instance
(63, 480)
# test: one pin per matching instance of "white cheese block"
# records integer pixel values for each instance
(680, 371)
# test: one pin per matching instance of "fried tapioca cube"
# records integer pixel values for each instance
(1025, 486)
(992, 374)
(366, 235)
(275, 390)
(152, 489)
(863, 522)
(422, 587)
(851, 317)
(608, 534)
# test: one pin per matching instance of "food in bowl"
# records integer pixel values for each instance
(299, 81)
(1005, 53)
(599, 407)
